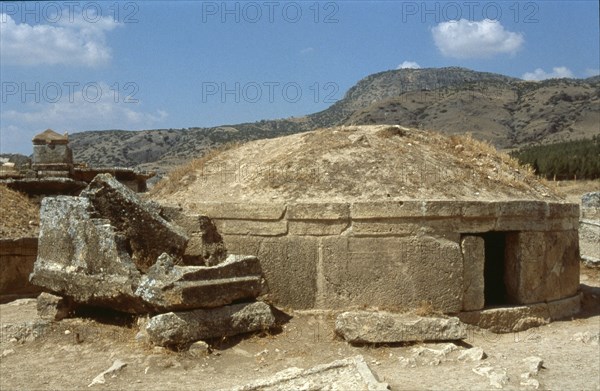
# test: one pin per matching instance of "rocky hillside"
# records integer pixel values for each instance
(508, 112)
(508, 115)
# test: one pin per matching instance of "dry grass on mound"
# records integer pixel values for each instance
(355, 163)
(19, 216)
(186, 173)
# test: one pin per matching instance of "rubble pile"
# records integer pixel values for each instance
(111, 249)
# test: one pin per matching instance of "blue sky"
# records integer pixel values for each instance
(75, 66)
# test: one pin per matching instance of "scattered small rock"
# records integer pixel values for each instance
(472, 354)
(52, 307)
(8, 352)
(530, 383)
(199, 349)
(587, 337)
(496, 376)
(116, 367)
(534, 364)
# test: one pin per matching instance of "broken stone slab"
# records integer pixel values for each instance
(496, 376)
(520, 318)
(182, 328)
(84, 258)
(347, 374)
(205, 247)
(167, 287)
(53, 307)
(387, 327)
(147, 233)
(472, 354)
(88, 261)
(114, 368)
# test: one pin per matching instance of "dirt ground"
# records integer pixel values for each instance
(72, 352)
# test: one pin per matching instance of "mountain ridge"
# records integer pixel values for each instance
(493, 107)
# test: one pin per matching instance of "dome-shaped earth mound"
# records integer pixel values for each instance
(354, 163)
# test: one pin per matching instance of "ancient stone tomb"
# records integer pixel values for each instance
(459, 256)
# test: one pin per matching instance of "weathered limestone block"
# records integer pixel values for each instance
(241, 211)
(473, 252)
(86, 260)
(148, 234)
(514, 319)
(318, 211)
(167, 287)
(392, 272)
(205, 246)
(83, 257)
(386, 327)
(181, 328)
(289, 265)
(546, 266)
(347, 374)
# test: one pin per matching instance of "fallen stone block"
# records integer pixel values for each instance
(386, 327)
(91, 260)
(515, 319)
(348, 374)
(167, 287)
(84, 258)
(181, 328)
(53, 307)
(147, 233)
(205, 247)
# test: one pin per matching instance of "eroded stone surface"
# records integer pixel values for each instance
(514, 319)
(83, 257)
(348, 374)
(473, 252)
(386, 327)
(181, 328)
(205, 247)
(107, 261)
(147, 233)
(167, 287)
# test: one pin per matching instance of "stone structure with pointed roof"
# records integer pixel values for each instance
(52, 156)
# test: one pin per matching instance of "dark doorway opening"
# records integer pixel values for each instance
(495, 292)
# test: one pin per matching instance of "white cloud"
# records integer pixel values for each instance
(307, 50)
(409, 65)
(589, 72)
(540, 74)
(19, 125)
(75, 42)
(482, 39)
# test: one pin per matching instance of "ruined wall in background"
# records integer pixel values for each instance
(17, 257)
